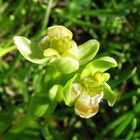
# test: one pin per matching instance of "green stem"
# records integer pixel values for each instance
(47, 15)
(50, 78)
(4, 51)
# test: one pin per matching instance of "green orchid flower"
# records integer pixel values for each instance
(86, 90)
(58, 49)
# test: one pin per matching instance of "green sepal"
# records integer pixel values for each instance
(66, 65)
(69, 96)
(102, 64)
(40, 105)
(87, 51)
(109, 95)
(56, 93)
(30, 50)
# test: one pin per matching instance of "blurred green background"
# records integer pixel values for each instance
(115, 24)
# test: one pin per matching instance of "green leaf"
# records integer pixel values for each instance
(29, 50)
(40, 105)
(69, 96)
(131, 131)
(87, 51)
(121, 128)
(46, 133)
(102, 64)
(123, 76)
(66, 65)
(6, 119)
(4, 51)
(21, 123)
(51, 133)
(109, 94)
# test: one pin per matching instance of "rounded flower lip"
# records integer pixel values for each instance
(87, 106)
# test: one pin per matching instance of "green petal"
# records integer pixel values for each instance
(29, 50)
(87, 51)
(56, 93)
(69, 94)
(72, 51)
(51, 52)
(40, 105)
(66, 65)
(44, 43)
(59, 31)
(109, 95)
(102, 64)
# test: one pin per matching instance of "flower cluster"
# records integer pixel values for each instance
(72, 75)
